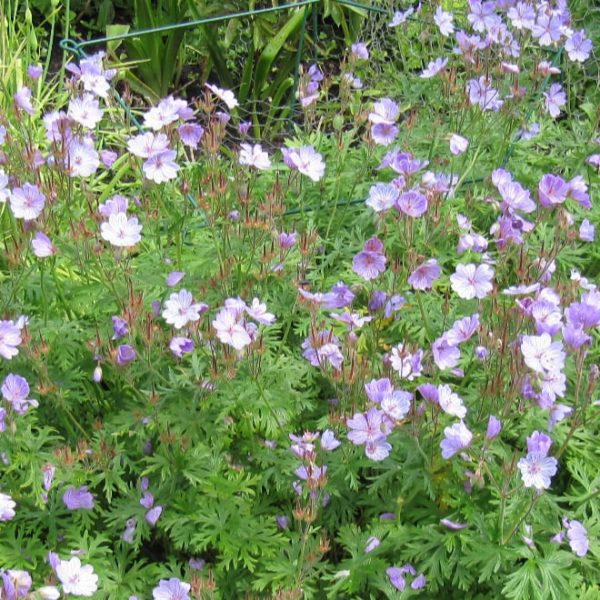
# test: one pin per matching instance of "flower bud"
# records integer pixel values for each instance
(97, 374)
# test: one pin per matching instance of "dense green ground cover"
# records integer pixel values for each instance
(360, 362)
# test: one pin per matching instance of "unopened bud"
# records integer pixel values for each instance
(97, 374)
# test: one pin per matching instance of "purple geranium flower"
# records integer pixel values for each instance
(78, 498)
(552, 190)
(412, 203)
(577, 536)
(180, 346)
(462, 330)
(537, 469)
(472, 281)
(456, 439)
(171, 589)
(445, 354)
(27, 202)
(125, 354)
(494, 427)
(382, 196)
(120, 327)
(42, 246)
(153, 515)
(425, 274)
(15, 390)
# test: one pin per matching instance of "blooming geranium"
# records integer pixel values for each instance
(15, 390)
(425, 274)
(433, 68)
(77, 579)
(445, 21)
(254, 156)
(167, 111)
(42, 246)
(147, 144)
(577, 536)
(10, 338)
(306, 160)
(450, 402)
(82, 158)
(382, 118)
(456, 438)
(226, 95)
(78, 498)
(552, 190)
(121, 231)
(370, 263)
(321, 348)
(537, 469)
(367, 429)
(27, 202)
(7, 507)
(180, 346)
(190, 134)
(171, 589)
(554, 99)
(382, 196)
(483, 94)
(472, 281)
(161, 166)
(412, 203)
(230, 329)
(542, 354)
(578, 46)
(180, 309)
(458, 144)
(85, 111)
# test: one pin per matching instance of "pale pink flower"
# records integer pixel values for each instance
(42, 246)
(537, 469)
(226, 95)
(472, 281)
(445, 21)
(231, 331)
(161, 166)
(121, 231)
(306, 160)
(147, 144)
(180, 309)
(458, 144)
(77, 579)
(27, 202)
(254, 156)
(85, 110)
(258, 311)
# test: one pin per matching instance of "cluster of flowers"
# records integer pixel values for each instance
(231, 326)
(491, 38)
(308, 90)
(152, 515)
(372, 427)
(119, 230)
(309, 471)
